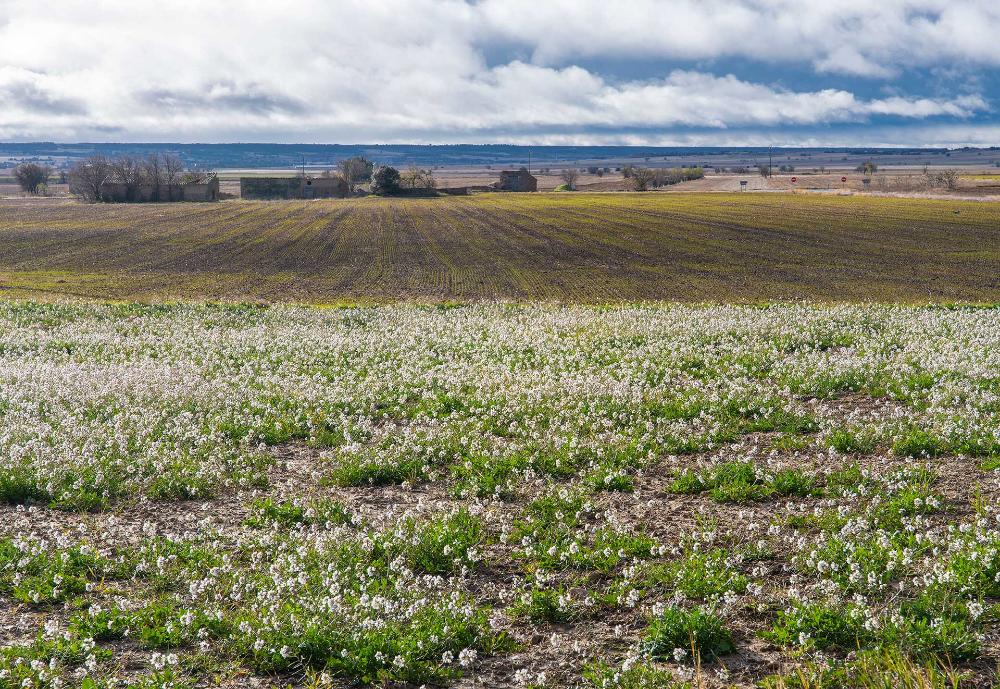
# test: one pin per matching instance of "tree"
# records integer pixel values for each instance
(415, 178)
(642, 177)
(129, 171)
(152, 173)
(87, 176)
(354, 171)
(569, 176)
(173, 168)
(944, 178)
(198, 176)
(869, 167)
(385, 181)
(30, 176)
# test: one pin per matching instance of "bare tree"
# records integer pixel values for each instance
(355, 171)
(128, 170)
(152, 173)
(642, 177)
(569, 176)
(409, 177)
(32, 177)
(173, 168)
(869, 167)
(198, 176)
(415, 178)
(949, 178)
(88, 176)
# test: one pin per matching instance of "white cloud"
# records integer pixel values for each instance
(859, 37)
(417, 70)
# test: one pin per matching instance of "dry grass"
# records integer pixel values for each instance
(570, 247)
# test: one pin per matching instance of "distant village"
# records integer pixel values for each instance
(160, 177)
(163, 177)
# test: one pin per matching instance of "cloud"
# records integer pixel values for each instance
(24, 92)
(222, 96)
(856, 37)
(418, 70)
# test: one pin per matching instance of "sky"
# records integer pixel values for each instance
(588, 72)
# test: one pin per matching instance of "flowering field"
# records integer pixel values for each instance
(499, 496)
(579, 248)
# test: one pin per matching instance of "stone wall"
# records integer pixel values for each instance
(116, 192)
(276, 188)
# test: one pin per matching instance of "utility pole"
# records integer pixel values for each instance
(770, 163)
(529, 161)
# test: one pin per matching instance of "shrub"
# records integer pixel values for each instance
(385, 181)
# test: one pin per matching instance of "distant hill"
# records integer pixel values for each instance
(499, 155)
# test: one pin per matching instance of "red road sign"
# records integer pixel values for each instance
(794, 180)
(843, 179)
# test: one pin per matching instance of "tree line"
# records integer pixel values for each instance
(162, 172)
(644, 178)
(641, 178)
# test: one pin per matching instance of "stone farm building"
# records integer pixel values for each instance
(518, 180)
(274, 188)
(117, 192)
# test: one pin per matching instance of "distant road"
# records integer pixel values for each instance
(568, 247)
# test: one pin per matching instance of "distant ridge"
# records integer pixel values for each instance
(257, 155)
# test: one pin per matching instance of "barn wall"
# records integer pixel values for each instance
(274, 188)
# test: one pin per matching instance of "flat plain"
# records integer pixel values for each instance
(583, 248)
(489, 454)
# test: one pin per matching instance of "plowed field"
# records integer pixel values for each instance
(578, 248)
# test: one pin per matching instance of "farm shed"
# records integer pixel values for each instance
(273, 188)
(117, 192)
(518, 180)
